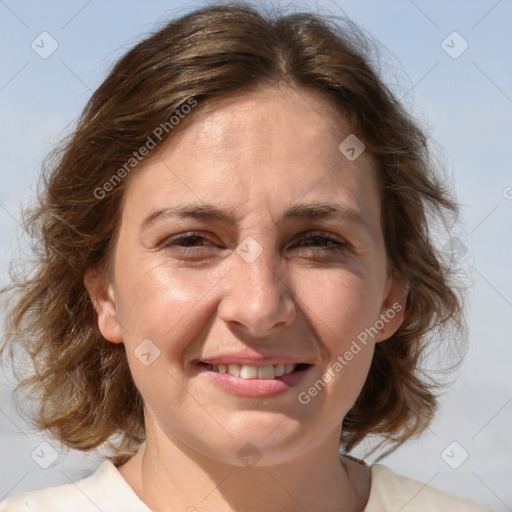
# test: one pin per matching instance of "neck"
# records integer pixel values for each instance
(165, 473)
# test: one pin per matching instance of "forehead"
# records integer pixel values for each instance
(262, 151)
(267, 125)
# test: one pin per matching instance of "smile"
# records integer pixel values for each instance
(246, 371)
(255, 381)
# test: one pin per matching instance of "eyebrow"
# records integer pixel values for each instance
(206, 212)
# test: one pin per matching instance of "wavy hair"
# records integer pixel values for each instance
(84, 390)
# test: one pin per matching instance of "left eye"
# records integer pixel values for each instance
(326, 242)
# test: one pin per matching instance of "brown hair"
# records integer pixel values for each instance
(85, 392)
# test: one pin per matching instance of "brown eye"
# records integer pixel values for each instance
(323, 242)
(186, 242)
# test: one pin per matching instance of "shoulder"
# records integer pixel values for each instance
(59, 498)
(104, 490)
(391, 491)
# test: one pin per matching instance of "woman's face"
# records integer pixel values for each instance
(253, 276)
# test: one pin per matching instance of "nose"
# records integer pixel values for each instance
(257, 296)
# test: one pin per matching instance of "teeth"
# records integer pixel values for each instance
(234, 369)
(279, 370)
(246, 371)
(288, 368)
(265, 372)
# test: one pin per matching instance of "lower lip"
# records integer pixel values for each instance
(255, 387)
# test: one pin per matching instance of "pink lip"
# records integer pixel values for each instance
(254, 388)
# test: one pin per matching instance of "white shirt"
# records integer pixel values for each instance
(107, 491)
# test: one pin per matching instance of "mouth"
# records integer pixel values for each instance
(246, 371)
(255, 381)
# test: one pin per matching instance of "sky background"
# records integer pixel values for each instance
(462, 96)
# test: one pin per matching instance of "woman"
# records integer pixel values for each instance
(237, 276)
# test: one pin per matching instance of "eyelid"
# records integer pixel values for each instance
(320, 233)
(174, 239)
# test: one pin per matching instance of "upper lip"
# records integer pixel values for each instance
(252, 360)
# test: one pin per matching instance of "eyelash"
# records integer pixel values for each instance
(180, 239)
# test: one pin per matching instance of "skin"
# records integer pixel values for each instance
(255, 156)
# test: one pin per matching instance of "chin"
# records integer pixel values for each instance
(258, 439)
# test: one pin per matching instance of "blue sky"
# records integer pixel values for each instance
(465, 103)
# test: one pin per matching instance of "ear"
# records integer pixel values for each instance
(103, 299)
(392, 312)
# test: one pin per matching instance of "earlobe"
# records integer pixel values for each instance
(392, 313)
(103, 299)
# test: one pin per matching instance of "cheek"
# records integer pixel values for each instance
(163, 314)
(343, 307)
(164, 305)
(342, 303)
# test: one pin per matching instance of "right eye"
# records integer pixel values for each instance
(184, 242)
